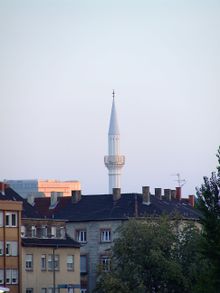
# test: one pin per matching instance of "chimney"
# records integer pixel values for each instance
(173, 194)
(116, 192)
(146, 195)
(178, 193)
(167, 194)
(76, 196)
(158, 193)
(191, 200)
(2, 188)
(54, 195)
(30, 199)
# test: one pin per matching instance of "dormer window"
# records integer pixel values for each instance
(53, 232)
(33, 231)
(44, 231)
(23, 231)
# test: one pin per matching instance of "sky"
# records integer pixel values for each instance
(60, 61)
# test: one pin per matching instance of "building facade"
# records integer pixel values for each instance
(37, 187)
(10, 242)
(51, 259)
(36, 254)
(93, 221)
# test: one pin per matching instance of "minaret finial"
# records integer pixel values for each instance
(113, 94)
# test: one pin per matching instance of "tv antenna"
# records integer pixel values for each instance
(180, 181)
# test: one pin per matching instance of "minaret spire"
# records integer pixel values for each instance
(114, 161)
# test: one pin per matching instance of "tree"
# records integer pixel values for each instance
(209, 206)
(152, 256)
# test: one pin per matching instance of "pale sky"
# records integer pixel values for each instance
(60, 60)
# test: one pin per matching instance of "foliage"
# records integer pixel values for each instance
(153, 256)
(209, 206)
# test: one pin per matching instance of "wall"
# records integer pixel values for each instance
(93, 248)
(38, 279)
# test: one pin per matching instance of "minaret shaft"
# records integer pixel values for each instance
(113, 145)
(114, 161)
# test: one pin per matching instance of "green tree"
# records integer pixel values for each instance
(209, 206)
(152, 256)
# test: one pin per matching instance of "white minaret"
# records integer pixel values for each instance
(114, 161)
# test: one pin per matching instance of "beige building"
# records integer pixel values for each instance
(10, 244)
(50, 259)
(64, 187)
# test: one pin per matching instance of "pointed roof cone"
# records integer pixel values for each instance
(113, 126)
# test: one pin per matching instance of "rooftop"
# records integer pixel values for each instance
(103, 207)
(28, 210)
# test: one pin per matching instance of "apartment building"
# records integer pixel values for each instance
(50, 259)
(10, 242)
(36, 254)
(93, 220)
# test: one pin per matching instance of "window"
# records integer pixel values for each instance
(33, 231)
(70, 262)
(60, 232)
(43, 290)
(11, 219)
(70, 290)
(8, 248)
(1, 248)
(1, 219)
(50, 262)
(43, 262)
(14, 220)
(105, 263)
(83, 290)
(81, 236)
(1, 276)
(29, 262)
(53, 232)
(83, 263)
(12, 276)
(8, 276)
(29, 290)
(11, 248)
(44, 231)
(23, 231)
(56, 262)
(105, 235)
(7, 220)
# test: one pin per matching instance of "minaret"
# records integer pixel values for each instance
(114, 161)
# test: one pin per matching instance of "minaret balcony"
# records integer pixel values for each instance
(117, 161)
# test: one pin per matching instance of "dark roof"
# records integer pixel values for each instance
(57, 243)
(102, 207)
(28, 210)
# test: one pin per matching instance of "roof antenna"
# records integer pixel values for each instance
(180, 181)
(113, 94)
